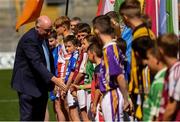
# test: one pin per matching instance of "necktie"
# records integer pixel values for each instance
(46, 53)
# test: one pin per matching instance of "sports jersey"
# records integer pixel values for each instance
(71, 64)
(171, 90)
(63, 58)
(111, 66)
(140, 78)
(79, 66)
(152, 103)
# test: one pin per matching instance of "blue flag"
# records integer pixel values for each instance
(162, 17)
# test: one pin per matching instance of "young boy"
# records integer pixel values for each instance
(89, 69)
(70, 43)
(130, 12)
(112, 82)
(168, 45)
(62, 26)
(74, 22)
(95, 55)
(53, 43)
(150, 56)
(82, 30)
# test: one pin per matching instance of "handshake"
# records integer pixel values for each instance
(60, 83)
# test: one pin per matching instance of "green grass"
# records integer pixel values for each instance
(9, 107)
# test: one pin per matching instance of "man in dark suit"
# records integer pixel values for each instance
(32, 77)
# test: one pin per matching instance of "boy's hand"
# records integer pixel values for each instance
(63, 95)
(72, 88)
(93, 109)
(128, 106)
(76, 86)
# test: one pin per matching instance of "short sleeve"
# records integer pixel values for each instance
(115, 66)
(82, 68)
(174, 84)
(73, 61)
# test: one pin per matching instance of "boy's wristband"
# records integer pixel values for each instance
(129, 98)
(81, 87)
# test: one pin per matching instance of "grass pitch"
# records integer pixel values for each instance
(9, 107)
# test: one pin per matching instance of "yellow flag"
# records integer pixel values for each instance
(30, 13)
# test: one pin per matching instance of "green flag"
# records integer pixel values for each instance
(169, 13)
(117, 5)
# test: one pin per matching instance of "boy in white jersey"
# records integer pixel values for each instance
(169, 46)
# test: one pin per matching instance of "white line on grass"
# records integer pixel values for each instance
(8, 100)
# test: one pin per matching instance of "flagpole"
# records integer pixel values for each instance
(67, 5)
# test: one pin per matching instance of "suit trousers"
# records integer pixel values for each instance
(32, 108)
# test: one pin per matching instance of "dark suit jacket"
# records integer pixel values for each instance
(30, 74)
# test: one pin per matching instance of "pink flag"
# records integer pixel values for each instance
(151, 9)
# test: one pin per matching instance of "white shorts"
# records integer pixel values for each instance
(81, 99)
(88, 101)
(81, 96)
(88, 104)
(96, 118)
(107, 106)
(70, 99)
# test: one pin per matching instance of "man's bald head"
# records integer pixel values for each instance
(43, 26)
(44, 21)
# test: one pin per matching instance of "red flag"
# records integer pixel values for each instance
(30, 13)
(100, 8)
(150, 9)
(105, 6)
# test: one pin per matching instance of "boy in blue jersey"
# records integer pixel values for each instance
(70, 43)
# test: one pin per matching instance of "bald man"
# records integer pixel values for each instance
(33, 71)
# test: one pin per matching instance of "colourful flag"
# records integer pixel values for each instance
(105, 6)
(117, 5)
(175, 16)
(169, 23)
(150, 10)
(100, 8)
(30, 13)
(162, 17)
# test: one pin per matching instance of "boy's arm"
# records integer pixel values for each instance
(70, 80)
(123, 87)
(79, 87)
(78, 78)
(96, 101)
(170, 110)
(97, 97)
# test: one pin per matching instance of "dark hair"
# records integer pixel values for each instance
(76, 19)
(103, 24)
(72, 39)
(91, 39)
(141, 45)
(97, 48)
(169, 43)
(155, 52)
(114, 22)
(82, 27)
(122, 45)
(130, 8)
(113, 15)
(53, 34)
